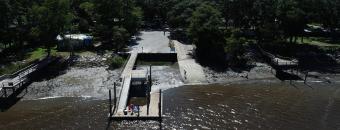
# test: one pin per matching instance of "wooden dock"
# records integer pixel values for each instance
(154, 113)
(15, 81)
(151, 111)
(126, 80)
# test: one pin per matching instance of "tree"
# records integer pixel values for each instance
(132, 17)
(53, 17)
(292, 18)
(86, 16)
(119, 37)
(206, 33)
(330, 15)
(5, 21)
(116, 21)
(179, 16)
(235, 47)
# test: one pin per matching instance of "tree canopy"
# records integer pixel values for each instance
(205, 22)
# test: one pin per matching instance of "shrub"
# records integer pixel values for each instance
(116, 62)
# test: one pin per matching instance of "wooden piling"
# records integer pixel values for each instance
(147, 103)
(150, 78)
(149, 90)
(306, 77)
(5, 92)
(115, 96)
(110, 103)
(160, 104)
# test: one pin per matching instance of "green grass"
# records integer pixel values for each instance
(64, 54)
(36, 54)
(12, 68)
(317, 42)
(55, 52)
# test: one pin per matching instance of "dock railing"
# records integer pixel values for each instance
(126, 61)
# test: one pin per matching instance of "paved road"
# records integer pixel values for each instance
(152, 42)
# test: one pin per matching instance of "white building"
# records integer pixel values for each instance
(74, 41)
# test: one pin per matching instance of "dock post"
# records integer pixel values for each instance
(150, 78)
(114, 94)
(160, 104)
(147, 103)
(306, 78)
(5, 92)
(110, 102)
(148, 92)
(297, 71)
(26, 89)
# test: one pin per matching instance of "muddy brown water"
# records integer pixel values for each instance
(250, 105)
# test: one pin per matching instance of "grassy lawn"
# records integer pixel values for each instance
(40, 53)
(55, 52)
(36, 54)
(321, 42)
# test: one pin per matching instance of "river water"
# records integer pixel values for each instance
(244, 105)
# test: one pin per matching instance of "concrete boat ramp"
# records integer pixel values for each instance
(191, 71)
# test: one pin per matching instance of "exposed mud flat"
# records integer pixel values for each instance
(95, 82)
(263, 72)
(76, 82)
(259, 71)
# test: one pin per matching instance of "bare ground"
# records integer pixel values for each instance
(259, 71)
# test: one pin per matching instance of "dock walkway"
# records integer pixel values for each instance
(16, 80)
(126, 77)
(191, 71)
(155, 98)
